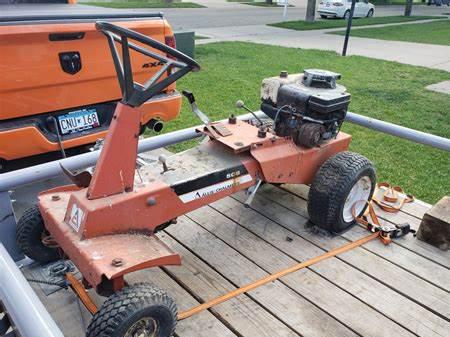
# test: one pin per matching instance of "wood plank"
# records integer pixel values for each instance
(409, 241)
(295, 311)
(280, 206)
(309, 284)
(201, 325)
(398, 308)
(246, 316)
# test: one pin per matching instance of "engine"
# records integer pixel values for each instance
(308, 107)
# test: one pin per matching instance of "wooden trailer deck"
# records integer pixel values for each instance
(400, 290)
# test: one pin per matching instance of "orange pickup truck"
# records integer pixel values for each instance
(58, 86)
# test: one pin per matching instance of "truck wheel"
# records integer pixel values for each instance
(33, 239)
(341, 187)
(138, 310)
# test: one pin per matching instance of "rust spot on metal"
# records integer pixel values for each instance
(117, 262)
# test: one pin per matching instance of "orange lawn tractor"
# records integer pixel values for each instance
(106, 223)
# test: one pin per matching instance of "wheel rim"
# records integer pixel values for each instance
(370, 13)
(347, 15)
(145, 327)
(356, 199)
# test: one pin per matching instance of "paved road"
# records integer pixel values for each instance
(218, 14)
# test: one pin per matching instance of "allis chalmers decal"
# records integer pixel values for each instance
(212, 183)
(216, 188)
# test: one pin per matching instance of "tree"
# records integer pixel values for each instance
(311, 11)
(408, 7)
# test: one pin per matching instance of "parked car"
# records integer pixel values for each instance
(58, 85)
(341, 9)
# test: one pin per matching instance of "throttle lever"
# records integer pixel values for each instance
(190, 96)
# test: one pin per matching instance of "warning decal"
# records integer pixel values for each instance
(76, 217)
(216, 188)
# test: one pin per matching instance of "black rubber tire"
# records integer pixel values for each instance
(369, 13)
(331, 186)
(30, 228)
(126, 307)
(323, 16)
(346, 15)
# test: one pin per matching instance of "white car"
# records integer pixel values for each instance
(341, 9)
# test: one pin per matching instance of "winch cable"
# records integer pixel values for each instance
(273, 277)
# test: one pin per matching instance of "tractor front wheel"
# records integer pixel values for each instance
(33, 239)
(340, 191)
(138, 310)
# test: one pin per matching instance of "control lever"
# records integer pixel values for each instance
(252, 191)
(190, 96)
(241, 105)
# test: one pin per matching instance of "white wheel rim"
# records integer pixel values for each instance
(357, 198)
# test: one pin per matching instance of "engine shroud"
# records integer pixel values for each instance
(309, 107)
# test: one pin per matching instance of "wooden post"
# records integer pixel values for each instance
(435, 225)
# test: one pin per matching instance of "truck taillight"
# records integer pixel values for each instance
(338, 4)
(170, 41)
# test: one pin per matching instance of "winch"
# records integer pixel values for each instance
(308, 107)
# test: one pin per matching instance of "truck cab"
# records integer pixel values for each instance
(58, 87)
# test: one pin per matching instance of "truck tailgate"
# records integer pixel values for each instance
(52, 66)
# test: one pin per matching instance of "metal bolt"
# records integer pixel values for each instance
(55, 197)
(117, 262)
(151, 201)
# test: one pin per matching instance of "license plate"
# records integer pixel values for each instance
(79, 120)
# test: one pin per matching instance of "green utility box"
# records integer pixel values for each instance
(186, 43)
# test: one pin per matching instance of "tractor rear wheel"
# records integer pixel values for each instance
(33, 239)
(138, 310)
(340, 191)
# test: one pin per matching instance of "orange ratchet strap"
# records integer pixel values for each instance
(390, 198)
(273, 277)
(81, 292)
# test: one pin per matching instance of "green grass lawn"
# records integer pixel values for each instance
(385, 90)
(337, 23)
(143, 4)
(434, 33)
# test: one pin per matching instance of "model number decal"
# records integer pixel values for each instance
(76, 217)
(216, 188)
(233, 174)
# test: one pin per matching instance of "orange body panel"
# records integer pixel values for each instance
(93, 257)
(32, 81)
(296, 165)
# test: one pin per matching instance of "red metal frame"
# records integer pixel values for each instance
(107, 228)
